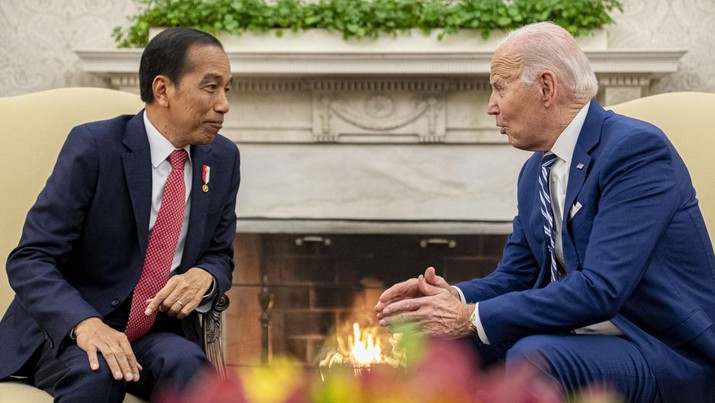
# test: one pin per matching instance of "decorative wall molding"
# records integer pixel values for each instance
(651, 63)
(383, 117)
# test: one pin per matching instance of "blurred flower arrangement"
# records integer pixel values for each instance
(434, 371)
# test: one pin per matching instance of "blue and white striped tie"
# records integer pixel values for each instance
(547, 211)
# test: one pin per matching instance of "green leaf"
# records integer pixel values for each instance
(362, 18)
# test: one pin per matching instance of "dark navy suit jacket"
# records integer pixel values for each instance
(83, 243)
(637, 253)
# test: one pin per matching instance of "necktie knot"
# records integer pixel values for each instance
(548, 159)
(177, 158)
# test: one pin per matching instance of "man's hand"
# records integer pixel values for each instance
(409, 289)
(428, 301)
(182, 293)
(94, 336)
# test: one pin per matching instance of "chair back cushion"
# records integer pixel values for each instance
(688, 119)
(33, 128)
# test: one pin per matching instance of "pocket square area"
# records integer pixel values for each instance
(574, 209)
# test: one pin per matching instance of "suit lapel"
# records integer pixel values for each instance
(137, 170)
(201, 156)
(580, 166)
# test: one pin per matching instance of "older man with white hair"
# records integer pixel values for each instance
(608, 275)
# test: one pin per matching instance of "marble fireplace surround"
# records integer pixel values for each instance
(387, 136)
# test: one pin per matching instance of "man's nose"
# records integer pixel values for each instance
(222, 103)
(492, 106)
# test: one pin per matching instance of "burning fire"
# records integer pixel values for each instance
(362, 348)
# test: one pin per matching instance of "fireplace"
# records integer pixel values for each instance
(320, 281)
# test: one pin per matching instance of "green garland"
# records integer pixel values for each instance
(362, 19)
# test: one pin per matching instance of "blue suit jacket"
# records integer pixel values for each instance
(83, 243)
(637, 252)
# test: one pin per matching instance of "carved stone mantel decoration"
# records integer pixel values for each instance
(388, 135)
(388, 89)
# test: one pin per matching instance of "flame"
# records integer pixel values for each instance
(365, 350)
(362, 348)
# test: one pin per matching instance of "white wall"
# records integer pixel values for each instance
(671, 24)
(37, 38)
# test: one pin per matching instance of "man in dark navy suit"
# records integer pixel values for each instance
(608, 275)
(89, 238)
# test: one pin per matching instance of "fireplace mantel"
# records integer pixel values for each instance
(387, 136)
(617, 69)
(623, 73)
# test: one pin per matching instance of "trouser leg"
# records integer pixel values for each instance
(578, 362)
(170, 364)
(69, 378)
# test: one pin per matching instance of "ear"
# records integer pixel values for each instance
(163, 88)
(548, 87)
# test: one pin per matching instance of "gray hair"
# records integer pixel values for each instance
(546, 46)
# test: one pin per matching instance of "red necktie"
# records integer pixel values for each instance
(161, 248)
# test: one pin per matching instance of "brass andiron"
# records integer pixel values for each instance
(265, 299)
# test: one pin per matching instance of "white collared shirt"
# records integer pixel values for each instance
(160, 149)
(558, 183)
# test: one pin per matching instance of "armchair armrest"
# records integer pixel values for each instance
(211, 325)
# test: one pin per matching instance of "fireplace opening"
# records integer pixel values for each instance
(320, 283)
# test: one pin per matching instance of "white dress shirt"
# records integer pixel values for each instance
(558, 182)
(160, 149)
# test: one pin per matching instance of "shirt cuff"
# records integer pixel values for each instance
(208, 300)
(475, 318)
(461, 294)
(478, 325)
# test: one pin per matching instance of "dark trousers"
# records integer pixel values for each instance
(170, 363)
(577, 362)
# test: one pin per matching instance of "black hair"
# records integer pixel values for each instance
(166, 54)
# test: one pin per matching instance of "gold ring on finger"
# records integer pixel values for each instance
(180, 303)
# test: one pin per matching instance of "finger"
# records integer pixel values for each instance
(394, 306)
(396, 311)
(123, 360)
(398, 291)
(176, 308)
(93, 360)
(180, 302)
(152, 305)
(380, 307)
(432, 278)
(426, 288)
(131, 360)
(157, 302)
(188, 307)
(112, 362)
(398, 321)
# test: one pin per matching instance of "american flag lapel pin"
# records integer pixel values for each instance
(205, 177)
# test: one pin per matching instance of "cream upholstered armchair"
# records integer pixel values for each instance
(688, 119)
(33, 128)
